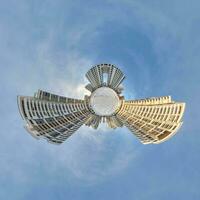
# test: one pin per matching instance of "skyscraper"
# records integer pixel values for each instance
(151, 120)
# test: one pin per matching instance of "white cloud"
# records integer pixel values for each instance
(89, 155)
(94, 156)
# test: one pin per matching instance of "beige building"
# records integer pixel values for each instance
(55, 118)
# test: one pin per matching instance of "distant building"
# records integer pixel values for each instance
(55, 118)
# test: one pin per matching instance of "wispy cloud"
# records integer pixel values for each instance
(94, 156)
(51, 45)
(88, 151)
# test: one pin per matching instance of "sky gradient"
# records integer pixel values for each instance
(50, 45)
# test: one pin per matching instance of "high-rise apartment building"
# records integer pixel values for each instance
(151, 120)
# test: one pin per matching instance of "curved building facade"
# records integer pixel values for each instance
(52, 117)
(55, 118)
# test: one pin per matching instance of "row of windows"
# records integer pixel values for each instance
(42, 109)
(99, 76)
(117, 78)
(94, 78)
(58, 130)
(52, 97)
(52, 126)
(170, 112)
(89, 87)
(63, 133)
(169, 108)
(143, 136)
(154, 100)
(140, 121)
(60, 121)
(152, 120)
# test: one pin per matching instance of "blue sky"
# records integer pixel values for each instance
(50, 45)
